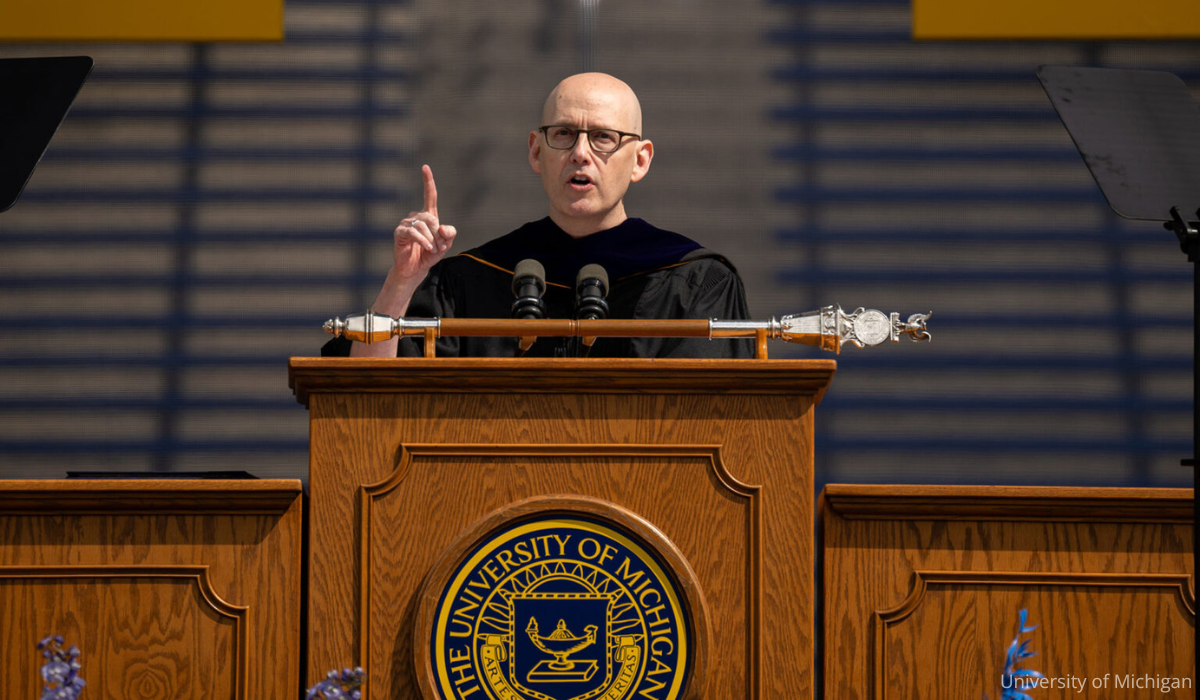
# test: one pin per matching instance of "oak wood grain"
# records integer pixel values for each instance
(308, 375)
(183, 595)
(922, 586)
(441, 444)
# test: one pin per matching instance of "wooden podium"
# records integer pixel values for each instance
(708, 462)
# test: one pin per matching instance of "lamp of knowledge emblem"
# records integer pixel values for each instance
(561, 607)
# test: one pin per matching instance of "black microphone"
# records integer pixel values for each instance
(529, 284)
(591, 286)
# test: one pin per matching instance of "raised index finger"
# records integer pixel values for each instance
(430, 190)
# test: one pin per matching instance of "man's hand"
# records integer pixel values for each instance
(421, 240)
(418, 243)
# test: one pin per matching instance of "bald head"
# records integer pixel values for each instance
(586, 187)
(595, 93)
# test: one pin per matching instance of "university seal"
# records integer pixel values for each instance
(561, 607)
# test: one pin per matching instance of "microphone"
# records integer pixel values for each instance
(529, 284)
(591, 286)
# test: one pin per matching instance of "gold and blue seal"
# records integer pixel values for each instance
(561, 607)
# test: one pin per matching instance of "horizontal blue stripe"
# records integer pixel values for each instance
(99, 447)
(825, 195)
(882, 73)
(366, 72)
(1141, 235)
(102, 236)
(72, 154)
(304, 193)
(207, 111)
(1182, 319)
(867, 113)
(151, 404)
(1149, 408)
(153, 361)
(857, 276)
(912, 274)
(985, 74)
(801, 152)
(1065, 362)
(1022, 444)
(134, 280)
(127, 323)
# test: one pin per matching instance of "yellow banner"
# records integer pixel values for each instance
(141, 20)
(1056, 19)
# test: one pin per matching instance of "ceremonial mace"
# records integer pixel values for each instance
(826, 328)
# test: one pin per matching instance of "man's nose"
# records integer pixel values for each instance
(582, 152)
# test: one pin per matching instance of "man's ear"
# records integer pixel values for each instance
(535, 152)
(641, 166)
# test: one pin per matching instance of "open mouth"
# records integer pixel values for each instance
(580, 181)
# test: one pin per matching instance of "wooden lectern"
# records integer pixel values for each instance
(707, 462)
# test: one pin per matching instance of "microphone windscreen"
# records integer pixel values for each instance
(593, 272)
(529, 268)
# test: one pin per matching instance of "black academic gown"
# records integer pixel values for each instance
(653, 274)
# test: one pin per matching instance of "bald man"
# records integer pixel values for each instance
(588, 151)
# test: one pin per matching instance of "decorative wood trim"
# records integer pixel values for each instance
(198, 575)
(143, 496)
(363, 375)
(407, 454)
(1010, 503)
(1182, 584)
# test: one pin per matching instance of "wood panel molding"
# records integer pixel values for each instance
(1009, 503)
(197, 576)
(1182, 586)
(129, 496)
(408, 456)
(311, 375)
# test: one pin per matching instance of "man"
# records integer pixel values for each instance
(588, 152)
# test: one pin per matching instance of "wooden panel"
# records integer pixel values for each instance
(929, 582)
(358, 375)
(418, 466)
(166, 601)
(645, 478)
(148, 632)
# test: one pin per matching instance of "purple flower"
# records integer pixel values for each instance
(56, 672)
(61, 670)
(339, 686)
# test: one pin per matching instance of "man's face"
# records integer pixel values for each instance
(586, 188)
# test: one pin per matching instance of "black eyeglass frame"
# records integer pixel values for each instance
(620, 141)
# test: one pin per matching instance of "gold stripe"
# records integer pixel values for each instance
(497, 267)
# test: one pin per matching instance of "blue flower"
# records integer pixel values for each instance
(1018, 651)
(56, 672)
(340, 686)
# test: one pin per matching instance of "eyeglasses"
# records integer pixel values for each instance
(564, 138)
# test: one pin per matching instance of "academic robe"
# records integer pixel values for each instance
(653, 274)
